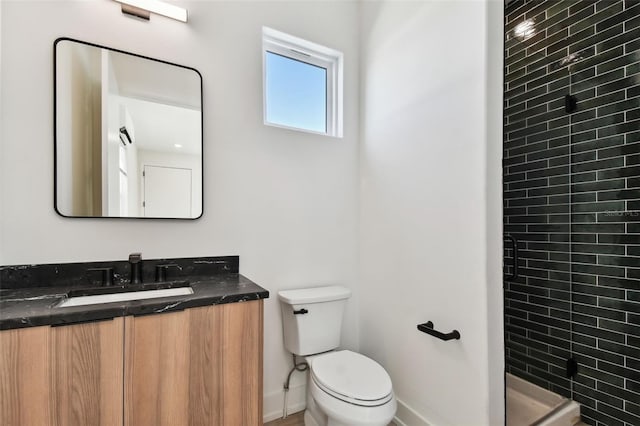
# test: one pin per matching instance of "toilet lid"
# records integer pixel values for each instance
(352, 375)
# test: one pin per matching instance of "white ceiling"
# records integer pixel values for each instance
(158, 127)
(163, 100)
(156, 81)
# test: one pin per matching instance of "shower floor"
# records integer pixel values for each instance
(528, 404)
(522, 409)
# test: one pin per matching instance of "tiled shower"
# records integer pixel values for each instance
(572, 201)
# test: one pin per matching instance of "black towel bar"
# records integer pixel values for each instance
(427, 327)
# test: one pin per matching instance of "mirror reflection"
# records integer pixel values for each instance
(128, 133)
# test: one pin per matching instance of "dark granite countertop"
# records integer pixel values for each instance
(31, 306)
(38, 306)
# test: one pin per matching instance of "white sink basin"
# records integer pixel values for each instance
(123, 297)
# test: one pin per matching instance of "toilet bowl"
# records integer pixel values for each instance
(344, 388)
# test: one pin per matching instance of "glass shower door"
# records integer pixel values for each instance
(572, 200)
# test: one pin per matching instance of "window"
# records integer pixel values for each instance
(302, 84)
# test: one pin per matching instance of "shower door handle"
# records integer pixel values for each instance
(514, 266)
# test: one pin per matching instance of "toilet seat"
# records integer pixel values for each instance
(344, 413)
(352, 377)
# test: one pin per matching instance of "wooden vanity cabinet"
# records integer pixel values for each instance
(200, 366)
(62, 376)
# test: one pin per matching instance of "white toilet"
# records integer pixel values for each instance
(344, 388)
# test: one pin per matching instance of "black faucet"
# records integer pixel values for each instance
(135, 260)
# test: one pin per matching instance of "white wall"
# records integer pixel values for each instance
(495, 294)
(134, 206)
(3, 176)
(430, 203)
(286, 202)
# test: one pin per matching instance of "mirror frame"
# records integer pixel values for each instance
(55, 132)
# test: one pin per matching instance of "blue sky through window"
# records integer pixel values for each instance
(296, 93)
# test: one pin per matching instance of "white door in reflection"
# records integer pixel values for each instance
(167, 191)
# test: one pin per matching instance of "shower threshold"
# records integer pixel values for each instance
(531, 405)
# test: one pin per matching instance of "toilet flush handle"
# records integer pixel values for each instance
(301, 311)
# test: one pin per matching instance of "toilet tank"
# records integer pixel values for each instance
(312, 318)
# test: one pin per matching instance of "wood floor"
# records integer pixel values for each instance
(296, 419)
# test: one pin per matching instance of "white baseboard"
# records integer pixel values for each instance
(407, 416)
(273, 403)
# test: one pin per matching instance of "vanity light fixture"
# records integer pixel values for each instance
(142, 9)
(124, 135)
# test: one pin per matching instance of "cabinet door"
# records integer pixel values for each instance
(242, 363)
(201, 366)
(160, 364)
(24, 377)
(66, 376)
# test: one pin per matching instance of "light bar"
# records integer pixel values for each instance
(158, 7)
